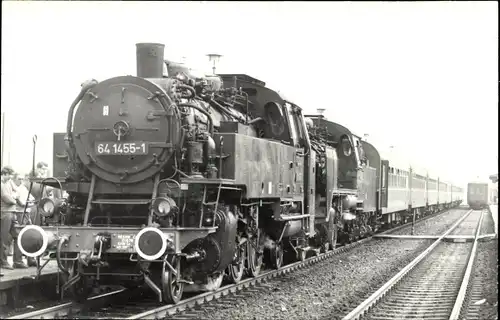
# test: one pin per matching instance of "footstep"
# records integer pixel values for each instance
(30, 307)
(480, 302)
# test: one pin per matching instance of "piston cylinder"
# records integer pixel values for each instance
(275, 228)
(150, 60)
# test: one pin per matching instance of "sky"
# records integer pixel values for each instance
(419, 76)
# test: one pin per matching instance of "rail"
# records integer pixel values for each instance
(457, 308)
(63, 309)
(369, 303)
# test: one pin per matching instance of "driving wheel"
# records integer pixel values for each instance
(254, 258)
(276, 255)
(236, 268)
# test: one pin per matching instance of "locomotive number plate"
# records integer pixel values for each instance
(124, 242)
(121, 148)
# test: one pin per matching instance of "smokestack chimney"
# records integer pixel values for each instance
(150, 60)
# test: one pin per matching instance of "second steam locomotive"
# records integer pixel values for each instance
(178, 182)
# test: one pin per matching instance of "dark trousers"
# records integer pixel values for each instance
(9, 233)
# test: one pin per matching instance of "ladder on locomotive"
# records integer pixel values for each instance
(91, 201)
(213, 203)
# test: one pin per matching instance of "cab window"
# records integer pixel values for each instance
(295, 128)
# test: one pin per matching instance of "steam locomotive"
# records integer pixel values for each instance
(179, 182)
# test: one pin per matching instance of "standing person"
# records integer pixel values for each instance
(23, 193)
(8, 221)
(24, 196)
(41, 170)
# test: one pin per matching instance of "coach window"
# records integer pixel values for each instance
(383, 176)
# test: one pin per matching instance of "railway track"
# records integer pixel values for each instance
(112, 305)
(432, 286)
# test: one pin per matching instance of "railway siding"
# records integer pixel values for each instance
(430, 289)
(439, 284)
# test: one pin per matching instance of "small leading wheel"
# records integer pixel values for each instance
(325, 246)
(333, 238)
(235, 269)
(254, 258)
(332, 233)
(276, 255)
(172, 288)
(302, 255)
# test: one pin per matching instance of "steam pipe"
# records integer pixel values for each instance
(87, 85)
(246, 114)
(226, 111)
(188, 88)
(209, 117)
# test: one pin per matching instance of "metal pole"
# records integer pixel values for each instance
(10, 146)
(413, 223)
(410, 187)
(35, 138)
(3, 137)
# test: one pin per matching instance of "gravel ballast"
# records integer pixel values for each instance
(332, 288)
(483, 297)
(434, 226)
(328, 290)
(488, 225)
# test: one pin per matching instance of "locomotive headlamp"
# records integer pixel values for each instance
(46, 207)
(163, 206)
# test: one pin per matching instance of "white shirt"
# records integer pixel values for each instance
(22, 191)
